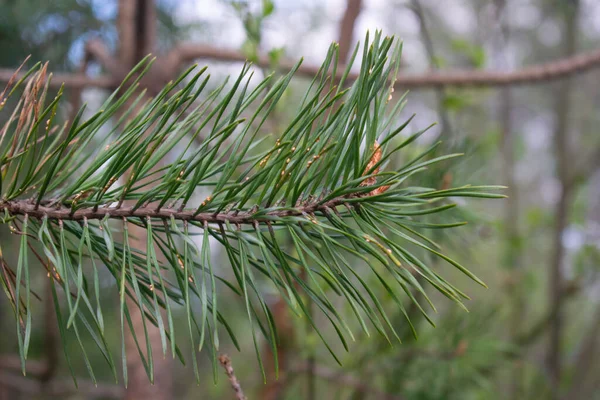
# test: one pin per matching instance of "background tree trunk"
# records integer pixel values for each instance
(136, 25)
(563, 160)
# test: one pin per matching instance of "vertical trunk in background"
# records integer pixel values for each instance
(136, 26)
(561, 213)
(446, 129)
(139, 386)
(346, 31)
(512, 237)
(274, 389)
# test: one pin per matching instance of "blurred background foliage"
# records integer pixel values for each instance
(532, 334)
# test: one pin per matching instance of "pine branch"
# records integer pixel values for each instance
(330, 184)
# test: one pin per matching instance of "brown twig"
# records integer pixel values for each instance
(235, 384)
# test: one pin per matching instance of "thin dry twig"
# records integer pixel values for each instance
(235, 384)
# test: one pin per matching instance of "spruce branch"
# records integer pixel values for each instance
(193, 166)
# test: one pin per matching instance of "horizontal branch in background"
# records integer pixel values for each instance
(75, 80)
(535, 74)
(60, 389)
(527, 75)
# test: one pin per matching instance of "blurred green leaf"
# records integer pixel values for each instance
(268, 7)
(474, 53)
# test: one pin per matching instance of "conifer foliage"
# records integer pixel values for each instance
(310, 211)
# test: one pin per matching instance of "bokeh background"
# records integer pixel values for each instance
(533, 334)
